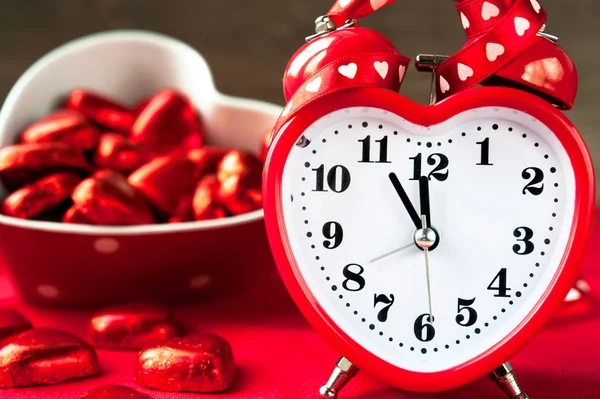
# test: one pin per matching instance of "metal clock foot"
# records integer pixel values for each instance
(506, 380)
(344, 371)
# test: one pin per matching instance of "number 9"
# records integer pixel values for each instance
(332, 231)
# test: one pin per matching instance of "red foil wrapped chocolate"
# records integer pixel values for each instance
(107, 199)
(72, 215)
(42, 196)
(243, 164)
(213, 156)
(196, 363)
(168, 123)
(168, 182)
(105, 112)
(206, 203)
(63, 126)
(131, 326)
(45, 356)
(113, 392)
(118, 152)
(12, 323)
(25, 163)
(240, 194)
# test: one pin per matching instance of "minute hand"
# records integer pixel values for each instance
(405, 200)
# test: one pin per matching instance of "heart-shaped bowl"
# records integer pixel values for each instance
(79, 265)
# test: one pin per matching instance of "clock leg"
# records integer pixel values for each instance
(506, 380)
(344, 371)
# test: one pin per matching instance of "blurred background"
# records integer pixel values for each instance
(247, 43)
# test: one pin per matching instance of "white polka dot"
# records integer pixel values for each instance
(106, 245)
(48, 291)
(200, 281)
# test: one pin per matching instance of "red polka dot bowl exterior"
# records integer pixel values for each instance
(58, 264)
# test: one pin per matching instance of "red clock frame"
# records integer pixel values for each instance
(426, 116)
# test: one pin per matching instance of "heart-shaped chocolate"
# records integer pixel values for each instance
(12, 323)
(42, 196)
(45, 356)
(240, 196)
(212, 155)
(24, 163)
(105, 112)
(118, 152)
(113, 392)
(196, 363)
(168, 182)
(206, 203)
(63, 126)
(243, 164)
(107, 199)
(131, 326)
(168, 122)
(72, 215)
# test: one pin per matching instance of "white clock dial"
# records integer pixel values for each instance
(502, 198)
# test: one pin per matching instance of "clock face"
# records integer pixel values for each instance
(502, 194)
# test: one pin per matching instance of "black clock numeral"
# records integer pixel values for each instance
(533, 187)
(332, 231)
(423, 328)
(465, 304)
(366, 150)
(440, 163)
(524, 236)
(501, 288)
(389, 301)
(338, 178)
(354, 280)
(485, 152)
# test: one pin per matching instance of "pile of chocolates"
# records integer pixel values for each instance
(167, 361)
(96, 162)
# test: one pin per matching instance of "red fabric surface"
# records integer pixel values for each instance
(279, 356)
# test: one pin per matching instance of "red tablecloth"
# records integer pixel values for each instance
(279, 356)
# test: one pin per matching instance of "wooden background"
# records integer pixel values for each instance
(248, 42)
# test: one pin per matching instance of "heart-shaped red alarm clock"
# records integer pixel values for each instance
(428, 244)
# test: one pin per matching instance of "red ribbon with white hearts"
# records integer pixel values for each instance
(344, 10)
(381, 70)
(498, 31)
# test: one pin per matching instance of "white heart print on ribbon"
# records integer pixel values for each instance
(349, 70)
(314, 86)
(464, 71)
(489, 10)
(465, 21)
(493, 51)
(444, 85)
(401, 73)
(288, 108)
(382, 68)
(521, 25)
(377, 4)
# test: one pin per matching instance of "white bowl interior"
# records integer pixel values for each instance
(130, 66)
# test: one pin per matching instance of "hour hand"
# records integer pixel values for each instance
(405, 200)
(424, 197)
